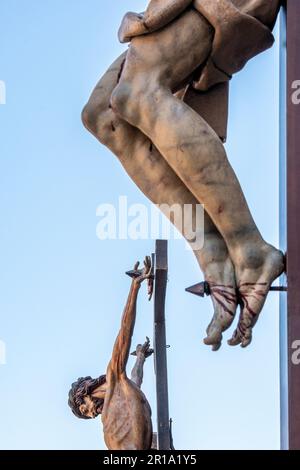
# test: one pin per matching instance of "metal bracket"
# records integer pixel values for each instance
(202, 289)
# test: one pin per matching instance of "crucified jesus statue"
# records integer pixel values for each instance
(124, 409)
(161, 108)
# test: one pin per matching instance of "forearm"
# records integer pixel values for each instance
(138, 370)
(123, 342)
(129, 315)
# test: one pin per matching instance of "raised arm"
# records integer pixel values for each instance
(122, 345)
(158, 14)
(141, 353)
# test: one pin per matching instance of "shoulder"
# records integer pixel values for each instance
(113, 375)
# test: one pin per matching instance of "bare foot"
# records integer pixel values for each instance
(221, 280)
(259, 268)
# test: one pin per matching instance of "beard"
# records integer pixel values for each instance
(99, 403)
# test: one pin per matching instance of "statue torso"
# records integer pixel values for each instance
(126, 417)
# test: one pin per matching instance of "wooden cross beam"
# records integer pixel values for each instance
(160, 277)
(160, 346)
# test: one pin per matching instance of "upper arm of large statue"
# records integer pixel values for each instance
(159, 13)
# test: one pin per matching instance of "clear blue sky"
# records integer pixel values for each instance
(62, 290)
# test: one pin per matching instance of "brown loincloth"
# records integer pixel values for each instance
(242, 30)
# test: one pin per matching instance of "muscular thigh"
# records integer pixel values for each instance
(171, 54)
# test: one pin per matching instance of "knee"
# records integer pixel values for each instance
(120, 99)
(129, 101)
(96, 109)
(98, 119)
(90, 116)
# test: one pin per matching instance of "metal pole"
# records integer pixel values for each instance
(160, 346)
(284, 435)
(293, 218)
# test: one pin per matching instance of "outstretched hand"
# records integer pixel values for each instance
(144, 349)
(146, 272)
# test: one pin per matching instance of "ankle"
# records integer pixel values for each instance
(220, 272)
(256, 256)
(248, 255)
(215, 262)
(214, 251)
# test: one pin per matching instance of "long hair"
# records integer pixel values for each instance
(83, 387)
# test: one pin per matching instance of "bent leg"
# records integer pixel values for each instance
(144, 98)
(161, 185)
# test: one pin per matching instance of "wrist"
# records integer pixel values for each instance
(140, 356)
(136, 283)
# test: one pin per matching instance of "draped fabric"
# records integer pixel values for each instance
(242, 30)
(263, 10)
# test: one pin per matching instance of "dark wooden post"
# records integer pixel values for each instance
(293, 217)
(160, 346)
(290, 234)
(284, 411)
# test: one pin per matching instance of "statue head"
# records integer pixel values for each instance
(86, 397)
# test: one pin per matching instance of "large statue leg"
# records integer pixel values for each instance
(155, 178)
(155, 66)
